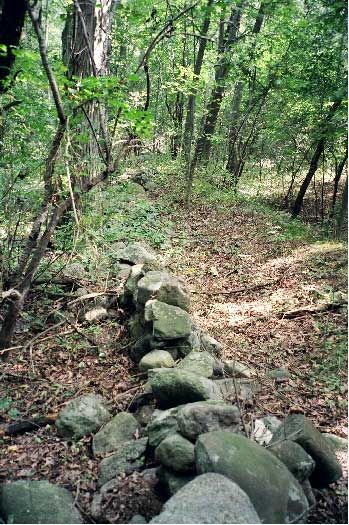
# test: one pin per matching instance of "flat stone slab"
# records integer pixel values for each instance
(173, 387)
(165, 287)
(127, 458)
(37, 502)
(120, 429)
(206, 416)
(82, 416)
(210, 498)
(169, 322)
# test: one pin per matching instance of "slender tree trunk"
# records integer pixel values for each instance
(203, 145)
(233, 152)
(339, 171)
(297, 206)
(235, 158)
(37, 244)
(190, 113)
(344, 208)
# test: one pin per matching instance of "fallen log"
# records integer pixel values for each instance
(28, 425)
(301, 312)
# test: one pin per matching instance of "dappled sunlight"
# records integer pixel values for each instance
(301, 254)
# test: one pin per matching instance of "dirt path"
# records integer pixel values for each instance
(245, 273)
(246, 277)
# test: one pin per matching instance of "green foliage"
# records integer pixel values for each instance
(333, 361)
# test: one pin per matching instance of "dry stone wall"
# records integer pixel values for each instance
(187, 422)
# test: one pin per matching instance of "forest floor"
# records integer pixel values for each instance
(256, 285)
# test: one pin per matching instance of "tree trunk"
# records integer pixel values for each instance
(233, 154)
(12, 13)
(190, 113)
(235, 158)
(297, 206)
(344, 208)
(86, 48)
(339, 171)
(203, 145)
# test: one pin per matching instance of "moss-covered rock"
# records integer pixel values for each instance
(173, 387)
(295, 458)
(206, 416)
(162, 424)
(298, 428)
(82, 416)
(37, 502)
(165, 287)
(169, 322)
(170, 481)
(200, 363)
(128, 457)
(177, 453)
(273, 490)
(119, 430)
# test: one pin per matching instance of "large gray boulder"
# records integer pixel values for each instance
(37, 502)
(82, 416)
(200, 363)
(128, 457)
(156, 359)
(273, 490)
(170, 481)
(209, 498)
(162, 424)
(169, 322)
(295, 458)
(163, 286)
(296, 427)
(198, 418)
(137, 253)
(120, 429)
(177, 453)
(173, 387)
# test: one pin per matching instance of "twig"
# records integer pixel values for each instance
(239, 290)
(128, 391)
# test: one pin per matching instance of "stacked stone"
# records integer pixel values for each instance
(210, 471)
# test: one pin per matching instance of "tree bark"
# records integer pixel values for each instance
(236, 159)
(190, 113)
(203, 145)
(86, 49)
(297, 206)
(338, 174)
